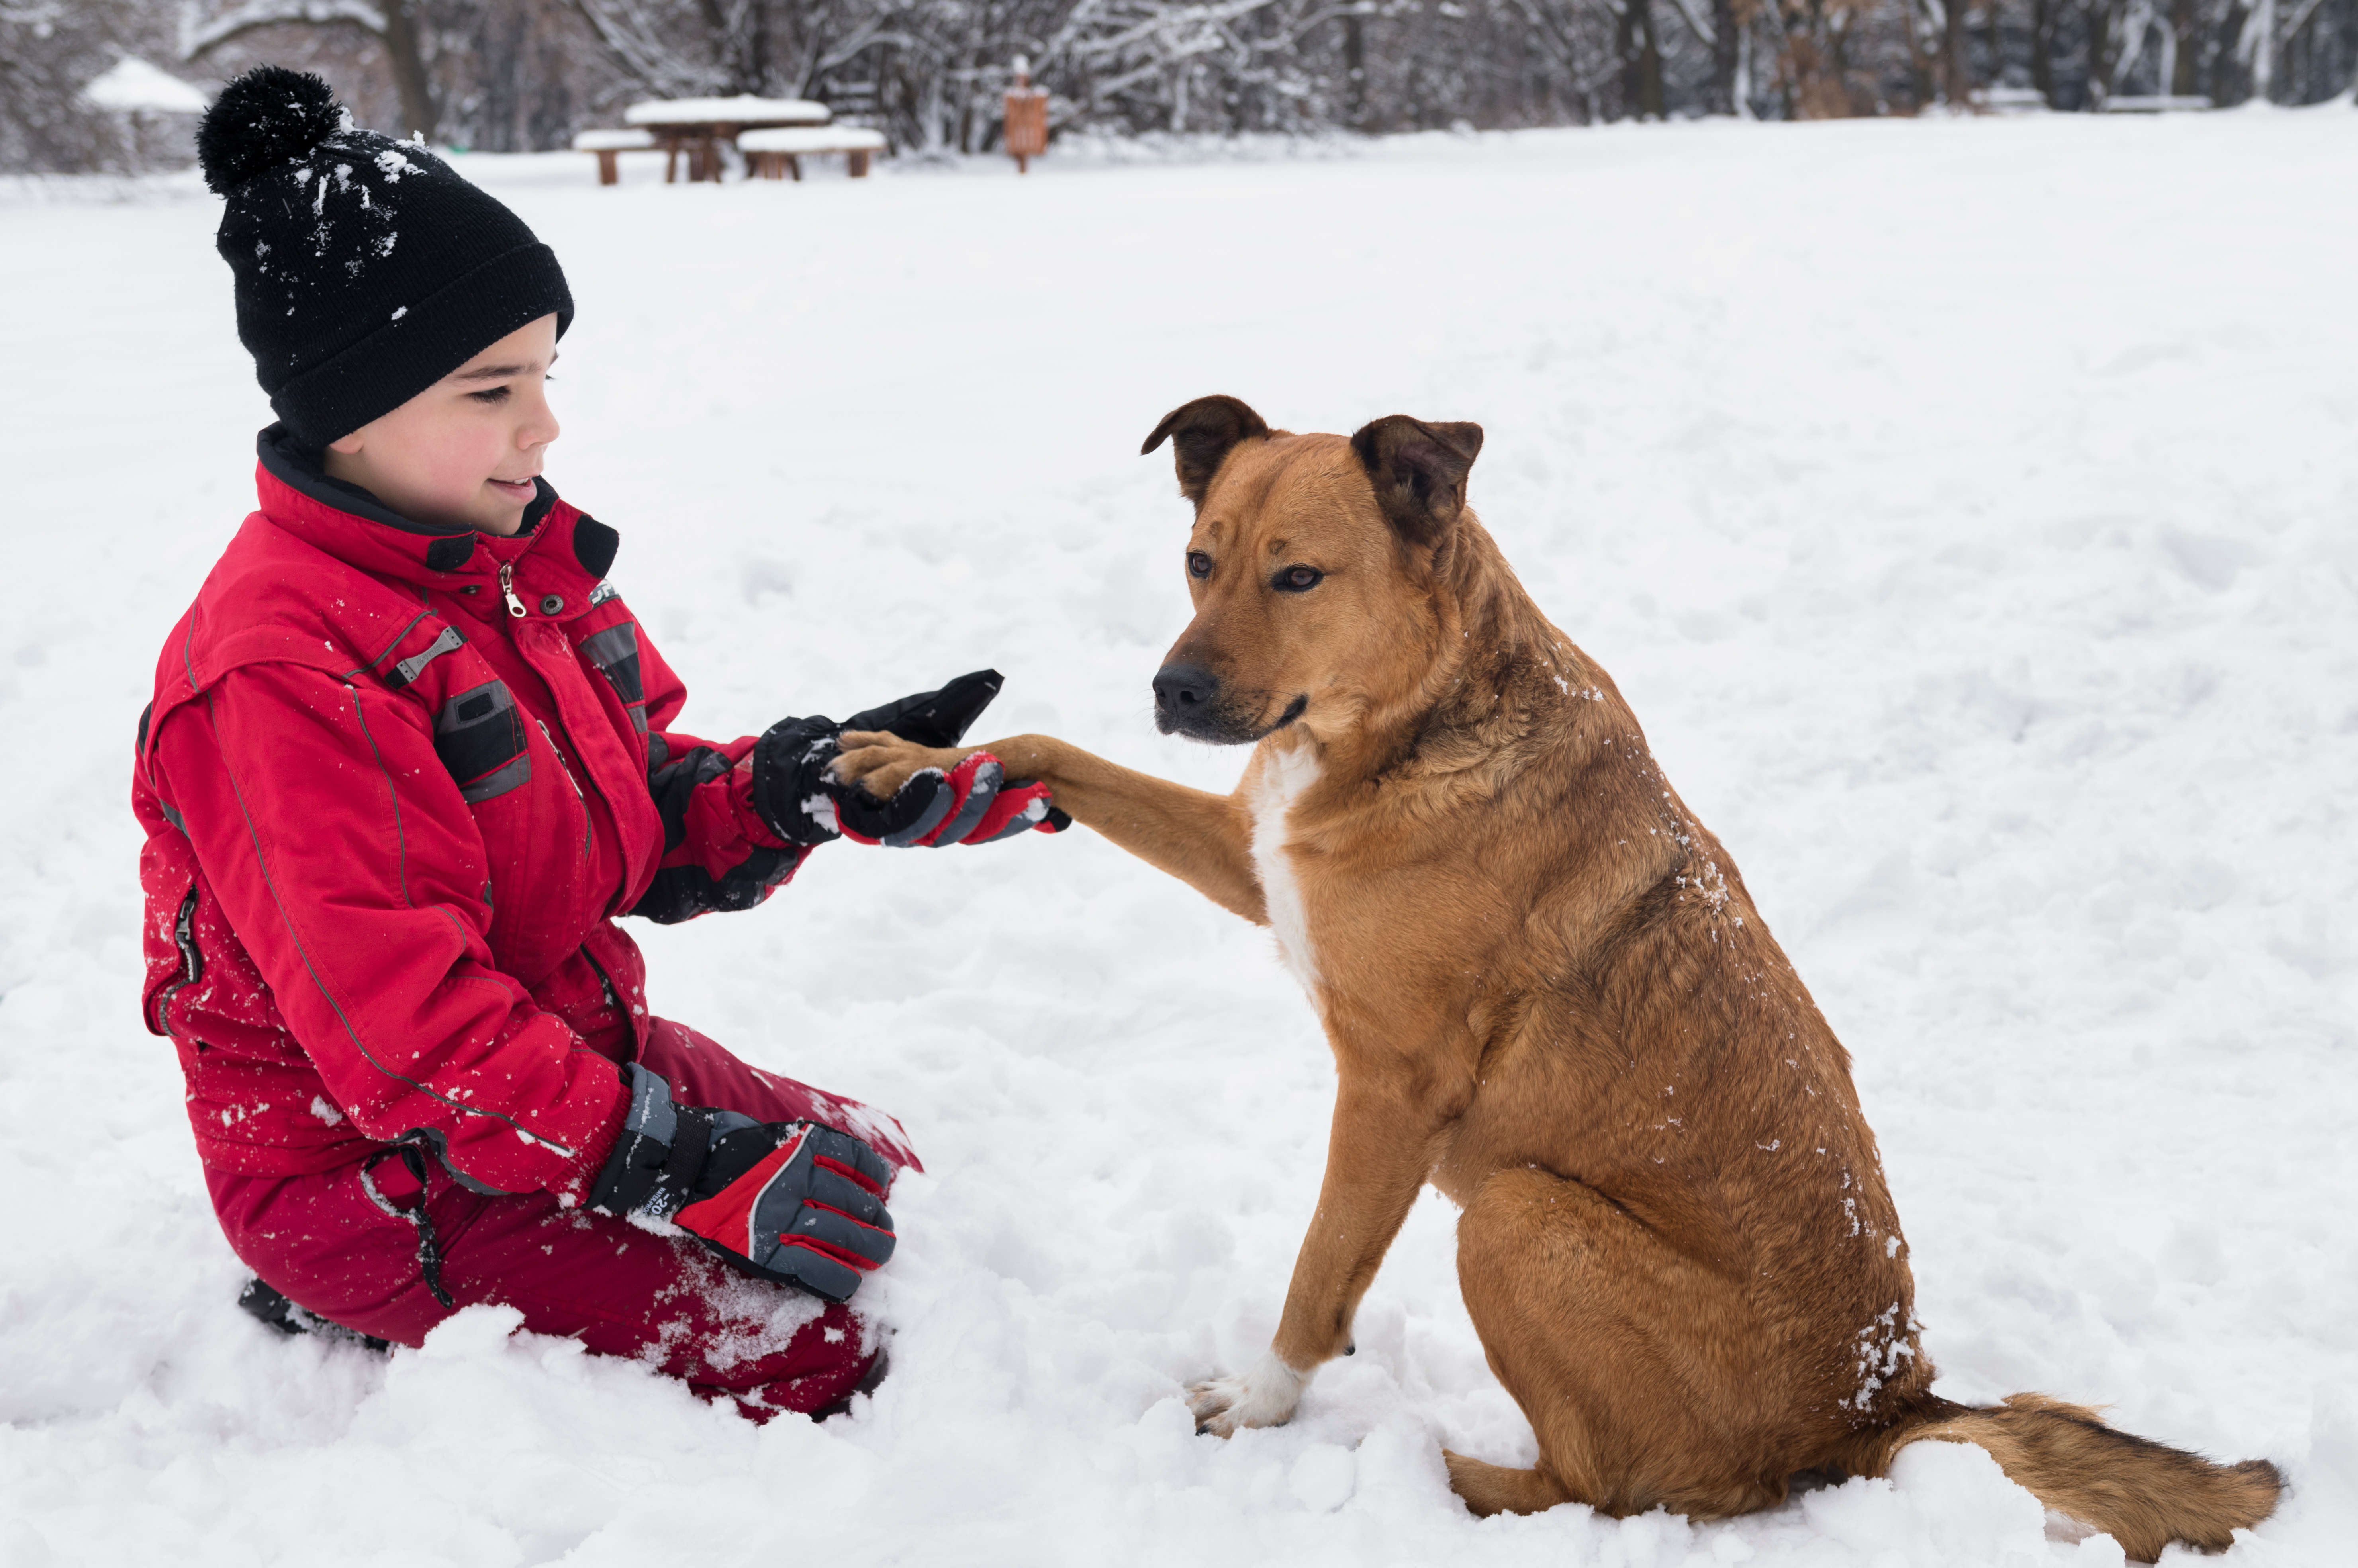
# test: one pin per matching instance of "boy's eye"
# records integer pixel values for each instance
(1198, 564)
(493, 394)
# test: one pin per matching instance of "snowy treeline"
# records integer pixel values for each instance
(515, 74)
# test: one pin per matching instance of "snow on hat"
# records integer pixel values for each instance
(366, 269)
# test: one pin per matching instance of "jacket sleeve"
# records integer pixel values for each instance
(350, 869)
(718, 852)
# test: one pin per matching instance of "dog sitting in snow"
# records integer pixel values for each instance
(1549, 994)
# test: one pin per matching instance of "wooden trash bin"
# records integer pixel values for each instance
(1026, 124)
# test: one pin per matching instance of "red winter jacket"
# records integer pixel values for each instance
(397, 781)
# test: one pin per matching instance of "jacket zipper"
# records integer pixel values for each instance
(566, 769)
(516, 610)
(605, 982)
(193, 963)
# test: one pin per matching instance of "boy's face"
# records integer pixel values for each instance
(463, 452)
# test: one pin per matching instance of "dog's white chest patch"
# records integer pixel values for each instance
(1284, 777)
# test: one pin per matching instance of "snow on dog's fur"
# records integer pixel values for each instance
(1548, 994)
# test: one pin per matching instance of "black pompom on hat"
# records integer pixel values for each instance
(366, 269)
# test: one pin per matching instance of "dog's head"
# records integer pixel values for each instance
(1312, 565)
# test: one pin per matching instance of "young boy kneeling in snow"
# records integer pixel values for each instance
(409, 755)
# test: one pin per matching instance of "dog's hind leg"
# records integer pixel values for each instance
(1488, 1488)
(1636, 1366)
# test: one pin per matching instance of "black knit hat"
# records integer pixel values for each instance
(367, 269)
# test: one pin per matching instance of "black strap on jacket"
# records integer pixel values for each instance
(430, 1245)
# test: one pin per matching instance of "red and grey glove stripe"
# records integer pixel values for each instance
(971, 803)
(809, 1213)
(1022, 807)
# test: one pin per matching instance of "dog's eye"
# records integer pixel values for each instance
(1296, 580)
(1198, 564)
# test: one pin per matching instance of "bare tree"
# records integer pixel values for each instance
(51, 50)
(527, 73)
(402, 26)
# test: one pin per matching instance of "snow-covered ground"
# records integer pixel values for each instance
(1969, 509)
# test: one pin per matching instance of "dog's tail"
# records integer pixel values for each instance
(2141, 1494)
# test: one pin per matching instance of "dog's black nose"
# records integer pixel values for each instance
(1183, 689)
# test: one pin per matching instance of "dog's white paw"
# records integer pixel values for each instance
(1263, 1397)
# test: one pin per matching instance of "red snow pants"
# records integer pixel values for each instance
(321, 1241)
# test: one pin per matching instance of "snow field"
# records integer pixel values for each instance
(1964, 507)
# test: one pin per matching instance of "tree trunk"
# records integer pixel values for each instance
(1956, 77)
(2350, 46)
(1355, 68)
(1641, 60)
(1726, 32)
(757, 51)
(2184, 54)
(1624, 48)
(2263, 48)
(421, 114)
(1651, 100)
(2099, 14)
(2042, 49)
(2230, 78)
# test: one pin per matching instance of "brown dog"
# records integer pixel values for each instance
(1548, 994)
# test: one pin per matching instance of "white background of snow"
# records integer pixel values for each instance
(1966, 508)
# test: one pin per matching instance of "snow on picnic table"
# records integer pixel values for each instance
(1967, 508)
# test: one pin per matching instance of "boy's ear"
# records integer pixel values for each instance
(348, 445)
(1419, 470)
(1201, 435)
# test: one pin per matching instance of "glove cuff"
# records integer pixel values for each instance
(789, 780)
(658, 1154)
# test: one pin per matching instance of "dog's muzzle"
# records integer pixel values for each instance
(1188, 701)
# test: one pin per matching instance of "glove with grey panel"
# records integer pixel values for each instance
(972, 803)
(789, 1201)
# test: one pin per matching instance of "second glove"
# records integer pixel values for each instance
(790, 1200)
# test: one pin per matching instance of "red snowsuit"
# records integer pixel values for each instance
(397, 783)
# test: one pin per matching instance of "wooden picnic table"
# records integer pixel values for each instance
(697, 126)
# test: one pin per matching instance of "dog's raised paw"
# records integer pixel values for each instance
(1264, 1396)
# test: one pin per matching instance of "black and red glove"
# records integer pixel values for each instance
(790, 1200)
(971, 803)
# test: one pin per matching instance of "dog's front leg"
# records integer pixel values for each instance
(1375, 1161)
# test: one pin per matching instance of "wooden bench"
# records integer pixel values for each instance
(776, 154)
(610, 145)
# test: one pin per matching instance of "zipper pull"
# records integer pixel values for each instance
(507, 589)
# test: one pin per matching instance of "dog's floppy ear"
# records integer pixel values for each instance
(1201, 435)
(1419, 470)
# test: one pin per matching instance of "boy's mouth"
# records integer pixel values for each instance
(514, 489)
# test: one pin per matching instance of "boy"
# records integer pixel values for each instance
(409, 755)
